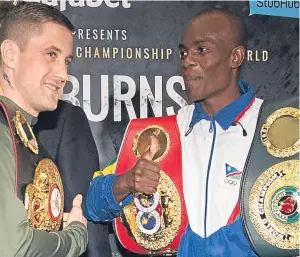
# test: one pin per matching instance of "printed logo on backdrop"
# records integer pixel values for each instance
(283, 8)
(82, 3)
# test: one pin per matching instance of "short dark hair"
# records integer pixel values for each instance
(237, 23)
(20, 20)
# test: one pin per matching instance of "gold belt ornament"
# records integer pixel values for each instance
(274, 205)
(142, 140)
(154, 220)
(44, 199)
(280, 133)
(20, 122)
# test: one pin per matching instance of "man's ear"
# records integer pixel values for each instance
(237, 56)
(9, 50)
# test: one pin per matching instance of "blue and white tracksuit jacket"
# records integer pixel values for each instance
(214, 151)
(214, 155)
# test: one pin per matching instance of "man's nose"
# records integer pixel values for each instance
(188, 60)
(61, 71)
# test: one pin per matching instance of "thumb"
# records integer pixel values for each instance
(152, 149)
(77, 201)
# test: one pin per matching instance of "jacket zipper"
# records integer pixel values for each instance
(213, 124)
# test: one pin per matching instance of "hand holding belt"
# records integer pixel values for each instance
(153, 223)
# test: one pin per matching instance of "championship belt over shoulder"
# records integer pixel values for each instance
(37, 180)
(270, 183)
(153, 224)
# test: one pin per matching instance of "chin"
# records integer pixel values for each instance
(194, 98)
(50, 107)
(54, 107)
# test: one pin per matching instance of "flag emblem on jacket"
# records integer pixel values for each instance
(232, 175)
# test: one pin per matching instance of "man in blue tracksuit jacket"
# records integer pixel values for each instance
(216, 132)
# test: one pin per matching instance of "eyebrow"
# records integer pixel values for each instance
(59, 50)
(195, 43)
(198, 42)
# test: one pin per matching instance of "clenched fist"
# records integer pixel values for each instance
(146, 173)
(143, 177)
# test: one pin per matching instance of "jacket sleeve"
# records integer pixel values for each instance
(100, 203)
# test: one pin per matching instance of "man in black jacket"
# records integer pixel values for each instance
(67, 136)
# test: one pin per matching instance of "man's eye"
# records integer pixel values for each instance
(52, 54)
(202, 49)
(182, 54)
(68, 62)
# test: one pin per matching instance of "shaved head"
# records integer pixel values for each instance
(212, 51)
(230, 23)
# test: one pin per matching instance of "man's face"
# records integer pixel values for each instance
(205, 57)
(41, 70)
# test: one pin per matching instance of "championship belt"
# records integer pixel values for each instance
(153, 224)
(270, 182)
(44, 199)
(37, 180)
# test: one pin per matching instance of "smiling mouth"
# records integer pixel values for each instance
(53, 88)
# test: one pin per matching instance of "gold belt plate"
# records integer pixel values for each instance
(44, 199)
(274, 205)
